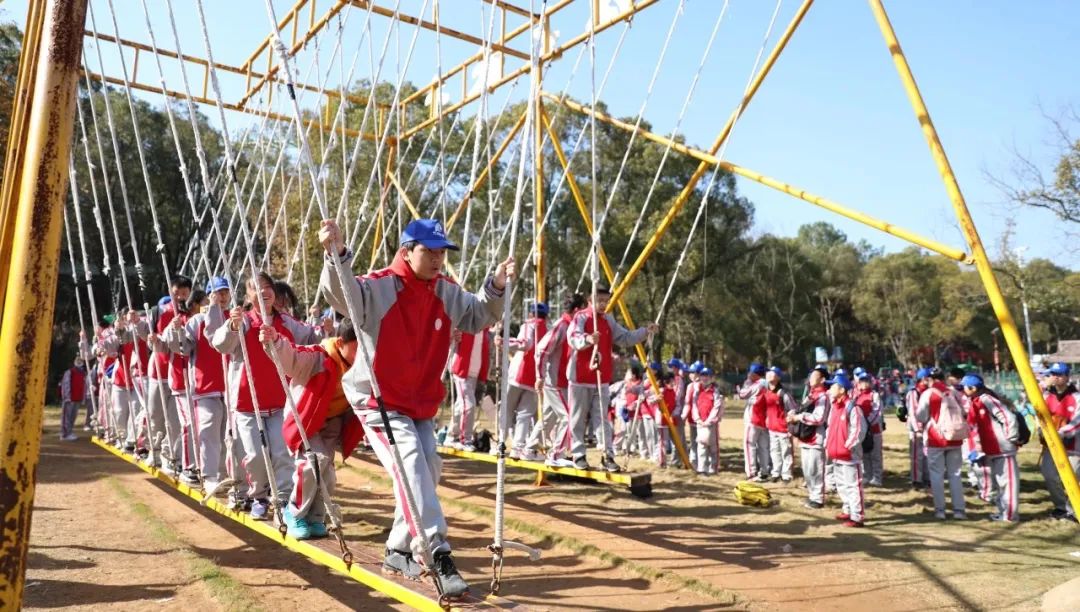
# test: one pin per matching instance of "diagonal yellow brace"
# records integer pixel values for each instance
(802, 194)
(575, 191)
(699, 173)
(982, 261)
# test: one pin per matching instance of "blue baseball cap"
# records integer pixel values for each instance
(1060, 369)
(695, 368)
(655, 366)
(923, 373)
(776, 370)
(706, 371)
(864, 375)
(428, 232)
(859, 371)
(163, 301)
(972, 380)
(757, 368)
(217, 283)
(839, 379)
(675, 362)
(840, 371)
(539, 309)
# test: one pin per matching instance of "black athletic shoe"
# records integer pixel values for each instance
(813, 505)
(453, 585)
(609, 464)
(581, 463)
(401, 563)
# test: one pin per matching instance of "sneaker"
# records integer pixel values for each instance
(813, 505)
(959, 516)
(995, 517)
(189, 476)
(608, 463)
(468, 448)
(843, 516)
(760, 478)
(582, 463)
(401, 563)
(514, 454)
(774, 478)
(786, 480)
(318, 530)
(129, 447)
(260, 509)
(558, 462)
(850, 523)
(874, 483)
(296, 527)
(69, 438)
(453, 585)
(1058, 514)
(87, 428)
(939, 515)
(531, 455)
(169, 468)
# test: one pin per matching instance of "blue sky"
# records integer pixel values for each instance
(832, 118)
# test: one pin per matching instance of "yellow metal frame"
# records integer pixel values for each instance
(32, 219)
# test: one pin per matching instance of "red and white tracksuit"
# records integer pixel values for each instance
(468, 368)
(993, 434)
(707, 407)
(590, 393)
(755, 430)
(264, 386)
(521, 395)
(405, 323)
(329, 423)
(74, 391)
(1064, 406)
(777, 404)
(812, 449)
(870, 403)
(920, 475)
(552, 356)
(843, 445)
(944, 457)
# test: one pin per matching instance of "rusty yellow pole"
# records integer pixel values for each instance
(605, 264)
(688, 190)
(982, 262)
(26, 329)
(24, 88)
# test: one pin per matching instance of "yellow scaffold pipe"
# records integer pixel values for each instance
(30, 295)
(802, 194)
(699, 173)
(982, 262)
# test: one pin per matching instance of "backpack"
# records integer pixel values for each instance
(749, 494)
(951, 422)
(1023, 432)
(799, 430)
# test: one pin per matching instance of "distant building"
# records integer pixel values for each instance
(1068, 351)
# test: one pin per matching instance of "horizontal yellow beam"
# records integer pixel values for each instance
(791, 190)
(139, 47)
(233, 107)
(633, 480)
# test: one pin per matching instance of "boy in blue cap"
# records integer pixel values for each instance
(1063, 401)
(688, 429)
(814, 414)
(755, 431)
(843, 444)
(403, 316)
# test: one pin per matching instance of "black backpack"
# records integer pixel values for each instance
(1023, 431)
(798, 429)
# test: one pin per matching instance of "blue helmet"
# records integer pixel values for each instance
(1060, 369)
(757, 368)
(972, 380)
(839, 379)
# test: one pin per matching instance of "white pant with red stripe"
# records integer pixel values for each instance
(415, 441)
(521, 406)
(464, 412)
(946, 462)
(161, 405)
(848, 478)
(756, 450)
(1004, 491)
(555, 425)
(307, 501)
(813, 469)
(780, 454)
(124, 404)
(1053, 480)
(258, 473)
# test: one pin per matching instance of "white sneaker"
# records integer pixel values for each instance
(69, 438)
(468, 448)
(560, 462)
(531, 455)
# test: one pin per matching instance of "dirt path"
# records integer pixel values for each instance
(690, 547)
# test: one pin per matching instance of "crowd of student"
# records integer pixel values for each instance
(204, 386)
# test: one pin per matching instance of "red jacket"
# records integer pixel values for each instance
(462, 362)
(992, 426)
(523, 365)
(847, 426)
(313, 402)
(162, 363)
(611, 334)
(553, 353)
(407, 322)
(775, 410)
(268, 389)
(1065, 414)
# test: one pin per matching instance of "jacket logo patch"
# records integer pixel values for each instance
(438, 324)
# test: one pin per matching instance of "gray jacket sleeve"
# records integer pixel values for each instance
(299, 366)
(471, 312)
(359, 291)
(226, 340)
(621, 336)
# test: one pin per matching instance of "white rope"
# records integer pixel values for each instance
(702, 207)
(93, 189)
(83, 336)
